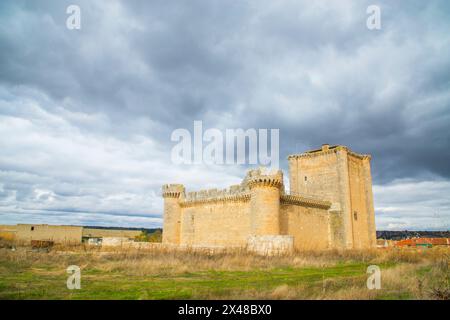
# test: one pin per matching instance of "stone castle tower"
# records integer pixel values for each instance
(330, 205)
(342, 177)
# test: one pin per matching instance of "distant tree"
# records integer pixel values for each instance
(155, 236)
(142, 237)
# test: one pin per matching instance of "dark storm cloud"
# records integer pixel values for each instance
(88, 113)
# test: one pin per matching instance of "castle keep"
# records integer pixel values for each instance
(330, 205)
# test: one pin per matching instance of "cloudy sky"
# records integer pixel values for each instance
(86, 115)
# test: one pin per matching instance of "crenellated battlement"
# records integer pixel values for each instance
(327, 149)
(305, 201)
(172, 190)
(238, 192)
(264, 177)
(211, 194)
(244, 197)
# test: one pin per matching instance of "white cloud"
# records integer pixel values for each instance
(412, 204)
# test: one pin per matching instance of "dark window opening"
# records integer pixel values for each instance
(32, 228)
(306, 178)
(355, 215)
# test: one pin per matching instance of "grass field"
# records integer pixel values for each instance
(166, 274)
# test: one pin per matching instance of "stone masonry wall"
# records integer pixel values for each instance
(216, 223)
(58, 234)
(308, 226)
(342, 177)
(271, 245)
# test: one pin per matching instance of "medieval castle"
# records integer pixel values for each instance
(330, 205)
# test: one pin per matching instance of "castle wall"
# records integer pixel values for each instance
(216, 223)
(269, 245)
(231, 223)
(361, 204)
(309, 226)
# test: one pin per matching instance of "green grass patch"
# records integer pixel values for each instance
(49, 282)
